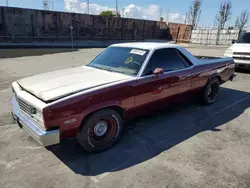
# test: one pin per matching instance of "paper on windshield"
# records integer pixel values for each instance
(138, 52)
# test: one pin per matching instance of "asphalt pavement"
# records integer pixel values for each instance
(187, 145)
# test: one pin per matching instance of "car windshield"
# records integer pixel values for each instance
(120, 59)
(245, 38)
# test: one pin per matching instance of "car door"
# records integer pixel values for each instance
(171, 86)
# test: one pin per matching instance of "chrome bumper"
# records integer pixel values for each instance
(45, 138)
(242, 63)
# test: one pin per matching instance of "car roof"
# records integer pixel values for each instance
(147, 45)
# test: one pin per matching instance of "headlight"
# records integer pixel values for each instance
(228, 53)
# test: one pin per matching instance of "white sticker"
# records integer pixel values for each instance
(137, 52)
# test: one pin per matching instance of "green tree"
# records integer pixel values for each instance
(109, 14)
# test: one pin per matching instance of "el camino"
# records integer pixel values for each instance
(124, 81)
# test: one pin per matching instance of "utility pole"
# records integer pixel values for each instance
(123, 12)
(52, 5)
(45, 5)
(186, 18)
(87, 6)
(160, 13)
(116, 7)
(7, 3)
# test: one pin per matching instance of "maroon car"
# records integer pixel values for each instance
(124, 81)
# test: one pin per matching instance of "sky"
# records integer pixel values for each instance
(170, 10)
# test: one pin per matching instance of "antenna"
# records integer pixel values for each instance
(45, 5)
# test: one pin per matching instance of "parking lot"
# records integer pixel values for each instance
(187, 145)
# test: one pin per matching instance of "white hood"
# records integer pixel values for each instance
(240, 47)
(57, 84)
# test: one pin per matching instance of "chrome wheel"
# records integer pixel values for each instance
(100, 128)
(104, 131)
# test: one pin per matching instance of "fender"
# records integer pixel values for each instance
(100, 106)
(72, 130)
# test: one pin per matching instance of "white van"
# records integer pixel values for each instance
(240, 51)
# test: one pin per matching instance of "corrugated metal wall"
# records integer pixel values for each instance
(211, 36)
(27, 25)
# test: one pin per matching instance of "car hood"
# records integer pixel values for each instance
(240, 47)
(57, 84)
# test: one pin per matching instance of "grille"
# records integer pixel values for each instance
(242, 58)
(241, 53)
(26, 107)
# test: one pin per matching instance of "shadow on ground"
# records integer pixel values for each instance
(241, 70)
(13, 53)
(146, 137)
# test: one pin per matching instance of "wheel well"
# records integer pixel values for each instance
(117, 108)
(217, 76)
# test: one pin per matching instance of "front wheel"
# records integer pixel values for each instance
(101, 130)
(211, 91)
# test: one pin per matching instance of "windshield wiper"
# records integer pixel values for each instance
(109, 70)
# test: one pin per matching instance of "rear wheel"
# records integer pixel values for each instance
(101, 130)
(211, 91)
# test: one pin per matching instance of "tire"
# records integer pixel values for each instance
(211, 91)
(93, 137)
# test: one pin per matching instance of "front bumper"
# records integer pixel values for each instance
(242, 63)
(45, 138)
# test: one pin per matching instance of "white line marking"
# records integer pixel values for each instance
(219, 111)
(237, 102)
(10, 164)
(8, 81)
(2, 91)
(103, 175)
(29, 147)
(94, 179)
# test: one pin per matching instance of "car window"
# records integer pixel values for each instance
(168, 59)
(245, 38)
(120, 59)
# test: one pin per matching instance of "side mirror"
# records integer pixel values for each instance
(158, 71)
(234, 41)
